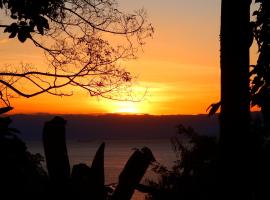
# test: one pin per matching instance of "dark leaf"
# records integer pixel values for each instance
(46, 24)
(32, 24)
(213, 108)
(5, 109)
(7, 29)
(11, 28)
(22, 36)
(97, 166)
(148, 154)
(40, 29)
(13, 34)
(43, 22)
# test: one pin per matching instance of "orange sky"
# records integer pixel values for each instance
(179, 66)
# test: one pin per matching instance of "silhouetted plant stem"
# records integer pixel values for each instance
(132, 174)
(235, 137)
(88, 183)
(98, 177)
(81, 182)
(54, 141)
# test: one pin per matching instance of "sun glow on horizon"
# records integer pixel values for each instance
(127, 107)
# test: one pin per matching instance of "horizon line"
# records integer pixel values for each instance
(102, 114)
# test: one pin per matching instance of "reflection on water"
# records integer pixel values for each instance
(117, 153)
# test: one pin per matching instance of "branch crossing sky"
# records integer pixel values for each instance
(179, 66)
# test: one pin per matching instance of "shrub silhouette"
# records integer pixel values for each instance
(193, 175)
(22, 175)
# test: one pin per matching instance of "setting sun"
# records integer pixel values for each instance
(126, 107)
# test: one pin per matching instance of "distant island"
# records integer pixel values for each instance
(115, 126)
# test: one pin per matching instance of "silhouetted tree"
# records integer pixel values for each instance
(75, 36)
(235, 136)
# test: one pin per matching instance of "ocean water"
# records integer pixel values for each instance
(117, 153)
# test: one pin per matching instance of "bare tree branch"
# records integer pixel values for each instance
(83, 40)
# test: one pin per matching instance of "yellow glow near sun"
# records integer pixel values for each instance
(126, 107)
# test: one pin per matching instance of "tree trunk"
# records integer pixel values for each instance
(235, 138)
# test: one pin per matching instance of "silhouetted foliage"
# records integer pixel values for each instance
(193, 175)
(260, 73)
(213, 108)
(21, 173)
(84, 181)
(83, 41)
(30, 15)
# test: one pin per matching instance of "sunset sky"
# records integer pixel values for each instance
(179, 66)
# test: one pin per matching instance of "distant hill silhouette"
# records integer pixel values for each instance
(115, 126)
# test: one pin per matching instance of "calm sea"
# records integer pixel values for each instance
(117, 153)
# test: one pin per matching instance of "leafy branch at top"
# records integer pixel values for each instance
(84, 42)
